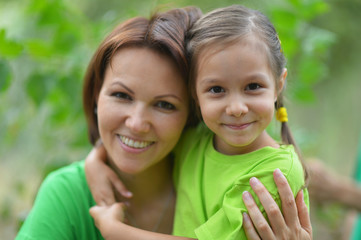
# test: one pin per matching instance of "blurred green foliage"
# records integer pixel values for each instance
(45, 46)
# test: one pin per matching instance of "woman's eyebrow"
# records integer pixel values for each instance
(169, 95)
(123, 85)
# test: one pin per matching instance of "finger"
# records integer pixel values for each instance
(256, 216)
(100, 152)
(103, 197)
(274, 213)
(95, 210)
(118, 211)
(303, 213)
(288, 201)
(118, 185)
(249, 228)
(107, 198)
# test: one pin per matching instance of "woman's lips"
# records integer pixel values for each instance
(134, 146)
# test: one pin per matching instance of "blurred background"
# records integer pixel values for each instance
(45, 46)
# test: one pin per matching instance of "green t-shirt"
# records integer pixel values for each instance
(61, 208)
(210, 186)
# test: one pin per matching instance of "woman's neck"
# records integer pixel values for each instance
(152, 205)
(149, 183)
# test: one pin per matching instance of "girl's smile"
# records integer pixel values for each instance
(236, 92)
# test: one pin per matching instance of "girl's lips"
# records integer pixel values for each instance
(238, 126)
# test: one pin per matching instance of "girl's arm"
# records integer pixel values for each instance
(294, 223)
(109, 220)
(101, 179)
(296, 217)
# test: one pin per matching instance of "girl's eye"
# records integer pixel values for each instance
(253, 86)
(165, 105)
(122, 95)
(216, 89)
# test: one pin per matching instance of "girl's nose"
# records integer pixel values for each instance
(137, 120)
(236, 107)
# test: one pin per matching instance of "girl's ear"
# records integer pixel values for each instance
(282, 81)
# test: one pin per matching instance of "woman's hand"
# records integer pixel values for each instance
(294, 223)
(101, 179)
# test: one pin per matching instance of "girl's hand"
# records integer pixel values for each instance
(106, 218)
(293, 224)
(101, 179)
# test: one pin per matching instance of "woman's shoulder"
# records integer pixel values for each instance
(71, 172)
(67, 180)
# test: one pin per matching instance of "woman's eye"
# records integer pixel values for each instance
(253, 86)
(165, 105)
(122, 95)
(216, 89)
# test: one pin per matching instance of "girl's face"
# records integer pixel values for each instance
(142, 108)
(236, 92)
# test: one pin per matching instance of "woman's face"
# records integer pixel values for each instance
(142, 108)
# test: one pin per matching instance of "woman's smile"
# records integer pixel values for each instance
(142, 108)
(133, 145)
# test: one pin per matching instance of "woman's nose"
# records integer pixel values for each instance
(137, 120)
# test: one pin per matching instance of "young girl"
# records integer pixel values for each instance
(237, 78)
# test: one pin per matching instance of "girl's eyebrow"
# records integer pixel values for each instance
(208, 80)
(123, 85)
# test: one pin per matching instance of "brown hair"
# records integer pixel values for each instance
(228, 25)
(163, 32)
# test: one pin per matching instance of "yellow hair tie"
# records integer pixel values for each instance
(281, 114)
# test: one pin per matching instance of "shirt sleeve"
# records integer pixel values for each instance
(60, 210)
(226, 223)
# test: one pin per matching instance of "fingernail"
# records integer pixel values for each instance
(301, 193)
(253, 181)
(127, 194)
(278, 173)
(246, 195)
(245, 216)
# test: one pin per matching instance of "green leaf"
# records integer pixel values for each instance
(311, 70)
(5, 75)
(39, 48)
(38, 87)
(9, 48)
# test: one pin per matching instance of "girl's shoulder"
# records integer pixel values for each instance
(192, 136)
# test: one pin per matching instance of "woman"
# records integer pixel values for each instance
(135, 98)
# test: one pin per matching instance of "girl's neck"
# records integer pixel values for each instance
(263, 140)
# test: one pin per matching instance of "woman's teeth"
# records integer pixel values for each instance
(135, 144)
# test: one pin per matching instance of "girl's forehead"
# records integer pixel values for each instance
(249, 41)
(216, 45)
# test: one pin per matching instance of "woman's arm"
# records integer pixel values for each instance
(295, 219)
(327, 186)
(294, 223)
